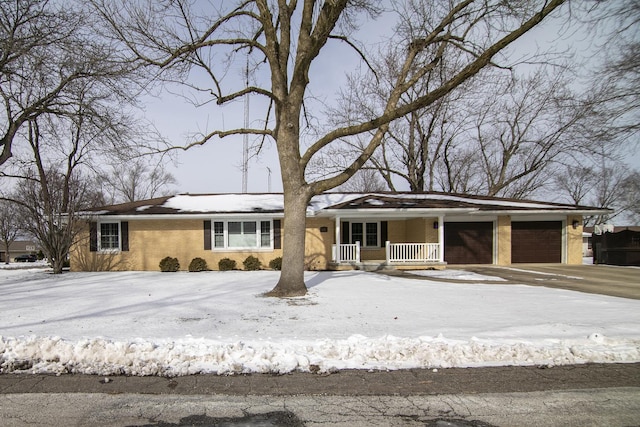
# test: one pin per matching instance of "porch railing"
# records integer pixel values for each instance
(346, 252)
(412, 252)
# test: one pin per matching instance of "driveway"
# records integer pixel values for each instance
(597, 279)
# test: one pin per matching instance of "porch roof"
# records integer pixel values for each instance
(335, 204)
(420, 204)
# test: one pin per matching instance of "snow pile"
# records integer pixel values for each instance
(195, 356)
(170, 324)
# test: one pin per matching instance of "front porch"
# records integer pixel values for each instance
(398, 256)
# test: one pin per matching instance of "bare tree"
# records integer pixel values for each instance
(284, 41)
(459, 169)
(615, 89)
(366, 180)
(631, 196)
(136, 179)
(54, 174)
(413, 145)
(499, 135)
(521, 128)
(600, 179)
(9, 226)
(575, 182)
(45, 50)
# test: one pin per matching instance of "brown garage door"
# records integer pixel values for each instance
(539, 241)
(468, 242)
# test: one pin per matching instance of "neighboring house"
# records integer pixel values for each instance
(343, 230)
(17, 248)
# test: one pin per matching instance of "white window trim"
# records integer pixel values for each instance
(226, 248)
(364, 232)
(99, 237)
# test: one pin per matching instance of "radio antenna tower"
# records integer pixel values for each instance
(245, 137)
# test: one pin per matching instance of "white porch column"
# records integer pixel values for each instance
(441, 238)
(338, 240)
(387, 250)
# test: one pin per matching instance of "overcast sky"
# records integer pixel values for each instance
(216, 166)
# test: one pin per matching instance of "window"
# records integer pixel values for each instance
(218, 234)
(109, 236)
(356, 232)
(242, 234)
(371, 238)
(265, 234)
(367, 233)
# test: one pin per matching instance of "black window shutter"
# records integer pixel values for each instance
(384, 233)
(345, 238)
(277, 234)
(207, 235)
(93, 236)
(124, 229)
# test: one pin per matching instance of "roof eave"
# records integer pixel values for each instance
(393, 212)
(131, 217)
(557, 211)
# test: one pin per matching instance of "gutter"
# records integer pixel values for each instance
(203, 216)
(396, 212)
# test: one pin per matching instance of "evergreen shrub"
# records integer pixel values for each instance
(276, 263)
(198, 264)
(252, 263)
(169, 264)
(226, 264)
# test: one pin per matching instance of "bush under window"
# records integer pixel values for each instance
(276, 263)
(198, 264)
(226, 264)
(252, 263)
(169, 264)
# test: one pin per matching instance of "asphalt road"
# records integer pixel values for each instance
(583, 395)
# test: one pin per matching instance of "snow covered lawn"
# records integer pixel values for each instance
(146, 323)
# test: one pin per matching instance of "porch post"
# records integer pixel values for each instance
(387, 250)
(338, 234)
(441, 238)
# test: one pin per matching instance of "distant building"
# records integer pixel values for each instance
(17, 248)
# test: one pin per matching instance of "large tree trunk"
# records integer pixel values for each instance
(291, 281)
(297, 195)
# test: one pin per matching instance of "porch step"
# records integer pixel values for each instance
(374, 266)
(382, 266)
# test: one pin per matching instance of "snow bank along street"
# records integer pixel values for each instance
(146, 323)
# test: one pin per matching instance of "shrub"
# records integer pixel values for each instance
(252, 263)
(198, 264)
(276, 263)
(169, 264)
(226, 264)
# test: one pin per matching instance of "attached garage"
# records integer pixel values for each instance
(536, 242)
(468, 242)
